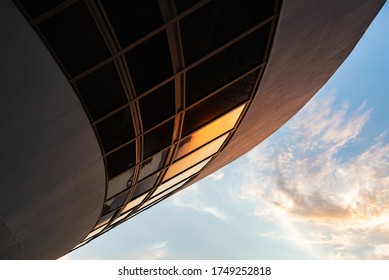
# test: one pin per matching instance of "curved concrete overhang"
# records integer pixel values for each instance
(52, 175)
(311, 41)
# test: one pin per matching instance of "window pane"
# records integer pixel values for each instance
(120, 183)
(182, 5)
(219, 22)
(157, 106)
(75, 38)
(227, 65)
(155, 198)
(219, 104)
(182, 176)
(104, 220)
(133, 19)
(150, 63)
(134, 203)
(116, 130)
(195, 157)
(152, 165)
(95, 232)
(121, 160)
(168, 185)
(145, 185)
(38, 7)
(102, 91)
(209, 132)
(158, 139)
(115, 202)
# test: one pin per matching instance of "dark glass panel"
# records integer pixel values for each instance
(182, 5)
(157, 106)
(38, 7)
(150, 63)
(152, 165)
(227, 65)
(158, 139)
(75, 38)
(145, 185)
(115, 202)
(102, 91)
(219, 104)
(133, 19)
(116, 130)
(218, 22)
(121, 160)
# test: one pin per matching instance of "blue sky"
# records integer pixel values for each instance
(318, 188)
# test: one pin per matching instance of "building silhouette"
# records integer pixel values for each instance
(110, 106)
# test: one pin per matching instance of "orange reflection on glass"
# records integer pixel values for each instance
(195, 157)
(208, 132)
(134, 203)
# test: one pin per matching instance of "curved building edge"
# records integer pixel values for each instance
(311, 41)
(49, 154)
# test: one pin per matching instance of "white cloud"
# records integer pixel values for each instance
(338, 206)
(217, 176)
(192, 198)
(153, 251)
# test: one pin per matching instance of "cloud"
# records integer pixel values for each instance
(191, 198)
(153, 251)
(304, 178)
(217, 176)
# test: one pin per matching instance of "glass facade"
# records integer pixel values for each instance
(165, 88)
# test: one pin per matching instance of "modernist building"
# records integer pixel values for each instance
(110, 106)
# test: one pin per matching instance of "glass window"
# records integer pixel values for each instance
(150, 63)
(195, 157)
(75, 38)
(132, 20)
(157, 106)
(116, 130)
(227, 65)
(102, 91)
(120, 183)
(133, 203)
(152, 165)
(121, 160)
(93, 233)
(219, 22)
(145, 185)
(161, 190)
(208, 132)
(115, 202)
(104, 220)
(219, 103)
(182, 5)
(119, 219)
(158, 139)
(38, 7)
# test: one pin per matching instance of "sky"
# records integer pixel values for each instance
(318, 188)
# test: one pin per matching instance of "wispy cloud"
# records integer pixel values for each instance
(306, 179)
(192, 198)
(153, 251)
(217, 176)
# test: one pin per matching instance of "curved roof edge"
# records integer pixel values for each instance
(311, 41)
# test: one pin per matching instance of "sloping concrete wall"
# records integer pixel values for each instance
(52, 177)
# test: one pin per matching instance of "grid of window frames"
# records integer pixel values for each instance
(165, 84)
